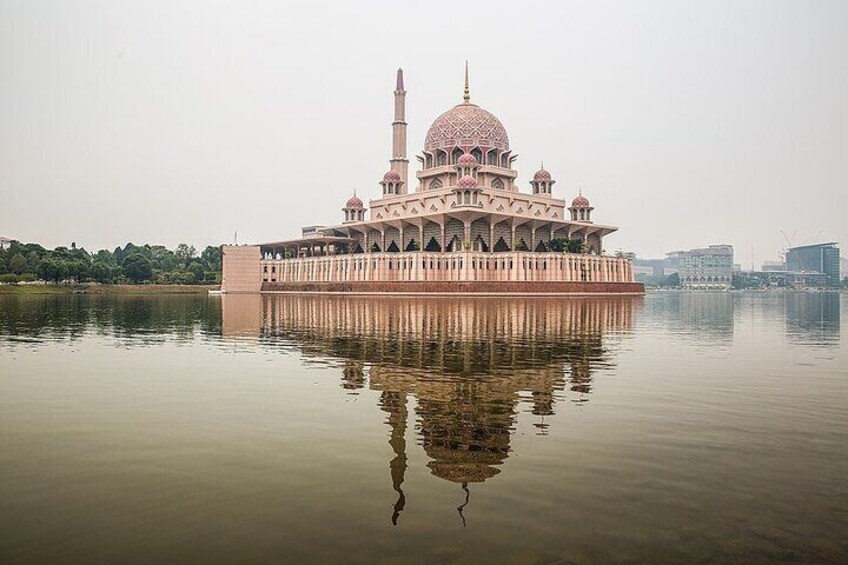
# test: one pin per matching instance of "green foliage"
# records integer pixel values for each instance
(184, 253)
(128, 264)
(18, 264)
(197, 270)
(101, 272)
(137, 268)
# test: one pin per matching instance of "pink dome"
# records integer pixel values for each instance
(391, 176)
(354, 202)
(467, 182)
(467, 160)
(580, 202)
(542, 175)
(466, 125)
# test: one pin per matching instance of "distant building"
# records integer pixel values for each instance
(774, 265)
(817, 258)
(706, 268)
(5, 243)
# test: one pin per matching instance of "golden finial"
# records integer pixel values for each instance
(466, 97)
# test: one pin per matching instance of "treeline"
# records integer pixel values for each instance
(132, 264)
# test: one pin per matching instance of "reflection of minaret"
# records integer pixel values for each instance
(581, 378)
(394, 403)
(400, 164)
(353, 375)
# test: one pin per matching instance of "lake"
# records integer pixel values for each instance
(675, 427)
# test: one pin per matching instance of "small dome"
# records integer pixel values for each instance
(391, 176)
(580, 202)
(467, 160)
(467, 182)
(542, 175)
(354, 202)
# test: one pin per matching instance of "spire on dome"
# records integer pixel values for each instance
(466, 96)
(399, 86)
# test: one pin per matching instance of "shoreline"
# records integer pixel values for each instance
(32, 289)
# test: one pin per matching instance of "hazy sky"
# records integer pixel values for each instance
(685, 123)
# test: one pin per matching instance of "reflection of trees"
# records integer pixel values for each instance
(142, 318)
(469, 364)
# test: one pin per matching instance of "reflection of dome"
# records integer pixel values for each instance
(354, 202)
(391, 176)
(467, 160)
(467, 182)
(466, 125)
(580, 202)
(542, 174)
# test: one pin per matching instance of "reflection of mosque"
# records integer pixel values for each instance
(470, 364)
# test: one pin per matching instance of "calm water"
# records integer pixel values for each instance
(691, 428)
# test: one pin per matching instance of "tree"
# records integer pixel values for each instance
(185, 253)
(196, 269)
(211, 257)
(137, 268)
(54, 270)
(101, 272)
(32, 261)
(18, 264)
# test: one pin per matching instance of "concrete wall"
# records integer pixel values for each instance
(242, 269)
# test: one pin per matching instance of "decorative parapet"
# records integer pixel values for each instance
(445, 267)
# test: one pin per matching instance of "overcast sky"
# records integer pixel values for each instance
(685, 123)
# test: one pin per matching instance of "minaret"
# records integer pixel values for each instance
(400, 164)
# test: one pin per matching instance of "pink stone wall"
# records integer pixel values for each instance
(242, 269)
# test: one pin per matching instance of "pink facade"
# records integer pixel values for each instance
(464, 220)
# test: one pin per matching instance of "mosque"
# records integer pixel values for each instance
(463, 226)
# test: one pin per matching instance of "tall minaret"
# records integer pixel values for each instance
(400, 164)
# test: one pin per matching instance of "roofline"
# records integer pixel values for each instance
(829, 243)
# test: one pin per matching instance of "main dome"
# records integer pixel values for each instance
(466, 125)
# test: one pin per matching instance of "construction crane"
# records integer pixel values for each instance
(789, 243)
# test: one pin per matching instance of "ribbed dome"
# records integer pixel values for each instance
(466, 125)
(354, 202)
(467, 160)
(542, 175)
(391, 176)
(580, 202)
(467, 182)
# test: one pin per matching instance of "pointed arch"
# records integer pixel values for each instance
(501, 245)
(480, 244)
(433, 246)
(498, 184)
(412, 245)
(455, 244)
(435, 183)
(522, 245)
(393, 247)
(357, 248)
